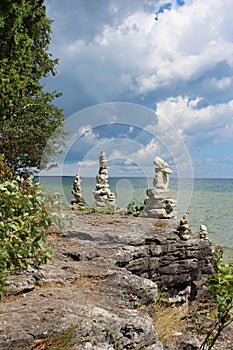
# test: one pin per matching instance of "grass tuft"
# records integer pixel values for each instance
(167, 321)
(160, 223)
(64, 341)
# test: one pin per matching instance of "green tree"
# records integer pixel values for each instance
(27, 116)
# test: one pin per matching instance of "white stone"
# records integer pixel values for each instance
(160, 162)
(77, 191)
(203, 232)
(102, 193)
(157, 193)
(154, 203)
(159, 204)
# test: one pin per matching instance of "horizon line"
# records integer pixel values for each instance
(141, 177)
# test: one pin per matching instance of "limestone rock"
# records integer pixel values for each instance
(161, 180)
(84, 291)
(102, 193)
(77, 192)
(189, 342)
(159, 204)
(157, 193)
(124, 331)
(104, 269)
(203, 232)
(183, 229)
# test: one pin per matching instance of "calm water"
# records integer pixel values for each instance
(207, 201)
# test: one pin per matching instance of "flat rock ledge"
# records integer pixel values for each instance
(105, 267)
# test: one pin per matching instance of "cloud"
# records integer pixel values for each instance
(222, 83)
(87, 131)
(137, 55)
(116, 154)
(87, 163)
(197, 125)
(145, 155)
(182, 64)
(186, 43)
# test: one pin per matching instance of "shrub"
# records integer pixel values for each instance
(221, 287)
(106, 209)
(23, 222)
(135, 210)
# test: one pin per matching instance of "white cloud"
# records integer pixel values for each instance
(87, 163)
(222, 83)
(128, 162)
(116, 154)
(183, 62)
(87, 131)
(141, 55)
(147, 152)
(187, 42)
(197, 125)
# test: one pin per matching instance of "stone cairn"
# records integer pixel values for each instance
(203, 232)
(159, 205)
(102, 193)
(77, 192)
(183, 229)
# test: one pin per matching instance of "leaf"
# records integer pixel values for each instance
(22, 231)
(219, 299)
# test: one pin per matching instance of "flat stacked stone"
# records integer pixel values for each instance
(183, 229)
(77, 192)
(159, 204)
(203, 232)
(102, 193)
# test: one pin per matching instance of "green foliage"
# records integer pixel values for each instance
(57, 210)
(23, 224)
(112, 337)
(163, 295)
(63, 341)
(135, 210)
(6, 172)
(27, 116)
(221, 287)
(25, 36)
(106, 209)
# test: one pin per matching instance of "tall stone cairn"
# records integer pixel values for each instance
(159, 204)
(77, 192)
(102, 193)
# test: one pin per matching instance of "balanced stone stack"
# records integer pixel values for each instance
(77, 192)
(102, 193)
(159, 204)
(203, 232)
(183, 229)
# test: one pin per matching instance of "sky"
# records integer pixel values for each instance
(142, 79)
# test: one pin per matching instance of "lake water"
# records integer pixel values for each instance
(207, 201)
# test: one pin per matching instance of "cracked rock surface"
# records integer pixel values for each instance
(105, 267)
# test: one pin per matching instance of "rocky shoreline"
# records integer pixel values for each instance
(106, 267)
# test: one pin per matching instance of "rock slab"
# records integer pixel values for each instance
(106, 266)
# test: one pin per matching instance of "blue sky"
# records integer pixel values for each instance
(174, 58)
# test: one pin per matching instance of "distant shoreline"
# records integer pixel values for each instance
(137, 177)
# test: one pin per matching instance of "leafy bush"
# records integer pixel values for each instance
(135, 210)
(106, 209)
(23, 224)
(221, 287)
